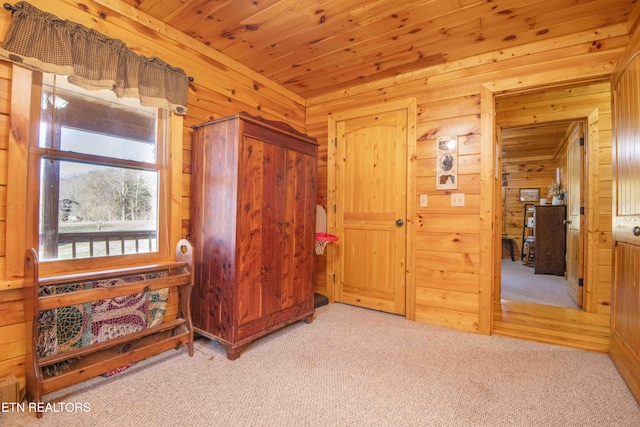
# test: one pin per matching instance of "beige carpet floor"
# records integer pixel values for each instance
(355, 367)
(520, 283)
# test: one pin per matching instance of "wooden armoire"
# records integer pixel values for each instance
(253, 223)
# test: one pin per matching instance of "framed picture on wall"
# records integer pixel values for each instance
(447, 163)
(529, 194)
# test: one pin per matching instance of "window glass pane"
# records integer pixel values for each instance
(79, 141)
(89, 210)
(96, 122)
(100, 194)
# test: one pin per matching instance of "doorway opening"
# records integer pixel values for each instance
(542, 259)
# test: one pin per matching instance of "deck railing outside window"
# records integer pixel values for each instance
(90, 244)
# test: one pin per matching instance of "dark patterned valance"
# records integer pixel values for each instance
(41, 41)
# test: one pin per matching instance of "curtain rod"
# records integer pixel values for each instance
(12, 8)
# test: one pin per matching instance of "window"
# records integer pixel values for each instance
(100, 163)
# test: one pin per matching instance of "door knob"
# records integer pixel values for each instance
(399, 223)
(636, 231)
(566, 221)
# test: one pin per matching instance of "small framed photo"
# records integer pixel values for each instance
(447, 163)
(529, 194)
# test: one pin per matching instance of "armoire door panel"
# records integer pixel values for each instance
(273, 227)
(298, 247)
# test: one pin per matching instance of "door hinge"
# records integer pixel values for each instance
(581, 210)
(334, 209)
(335, 142)
(582, 142)
(580, 282)
(334, 278)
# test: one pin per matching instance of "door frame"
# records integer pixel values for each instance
(333, 273)
(488, 94)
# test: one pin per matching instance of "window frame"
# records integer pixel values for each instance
(168, 164)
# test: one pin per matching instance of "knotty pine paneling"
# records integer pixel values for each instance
(346, 42)
(439, 279)
(3, 203)
(448, 103)
(4, 131)
(12, 341)
(13, 366)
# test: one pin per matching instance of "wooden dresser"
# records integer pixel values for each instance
(253, 223)
(550, 239)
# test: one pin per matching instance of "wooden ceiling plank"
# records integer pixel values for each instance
(207, 17)
(135, 3)
(324, 45)
(345, 22)
(508, 61)
(541, 69)
(367, 54)
(546, 130)
(304, 31)
(573, 45)
(549, 113)
(404, 13)
(508, 140)
(499, 46)
(193, 12)
(282, 19)
(430, 39)
(530, 143)
(344, 47)
(425, 25)
(515, 57)
(499, 38)
(159, 8)
(388, 34)
(537, 13)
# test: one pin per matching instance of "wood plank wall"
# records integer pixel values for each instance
(221, 87)
(448, 285)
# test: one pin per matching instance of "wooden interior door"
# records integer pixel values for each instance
(575, 248)
(625, 310)
(371, 208)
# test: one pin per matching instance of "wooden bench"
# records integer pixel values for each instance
(45, 298)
